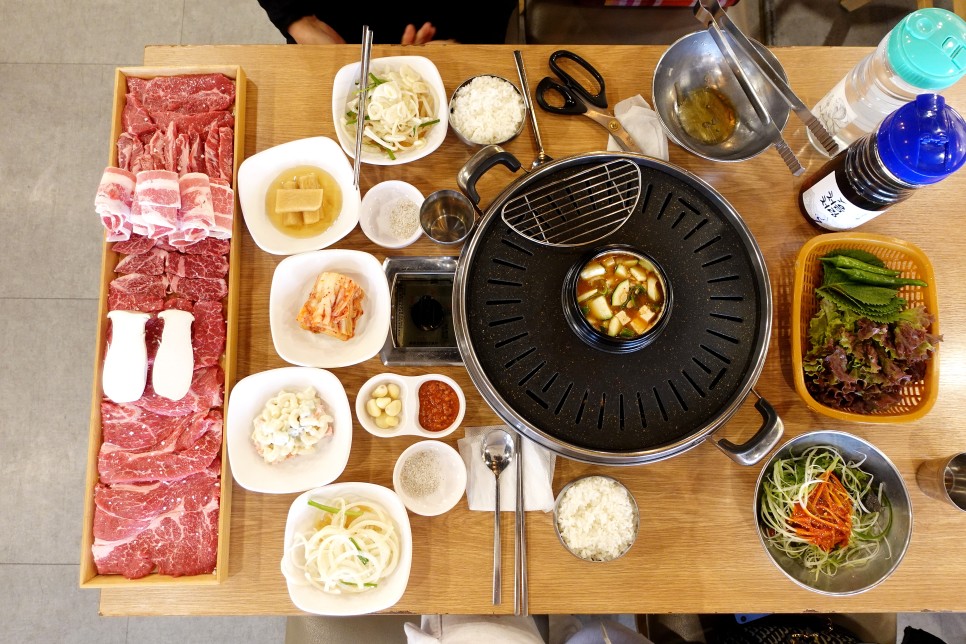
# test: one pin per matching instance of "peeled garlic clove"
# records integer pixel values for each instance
(383, 402)
(382, 422)
(372, 408)
(391, 421)
(393, 408)
(380, 391)
(393, 391)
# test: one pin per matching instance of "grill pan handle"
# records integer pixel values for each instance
(479, 164)
(761, 443)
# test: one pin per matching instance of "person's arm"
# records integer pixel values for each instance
(296, 20)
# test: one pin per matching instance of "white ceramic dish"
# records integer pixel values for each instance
(297, 473)
(346, 84)
(376, 211)
(302, 517)
(409, 395)
(452, 479)
(257, 173)
(291, 284)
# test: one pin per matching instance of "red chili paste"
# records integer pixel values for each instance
(438, 405)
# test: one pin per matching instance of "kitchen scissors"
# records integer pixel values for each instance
(577, 99)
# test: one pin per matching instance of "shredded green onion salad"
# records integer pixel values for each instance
(792, 480)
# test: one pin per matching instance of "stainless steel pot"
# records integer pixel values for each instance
(617, 408)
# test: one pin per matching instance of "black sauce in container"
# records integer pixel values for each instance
(921, 143)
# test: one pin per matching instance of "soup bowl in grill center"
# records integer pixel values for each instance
(618, 328)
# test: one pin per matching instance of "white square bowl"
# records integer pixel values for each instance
(291, 284)
(256, 174)
(345, 85)
(302, 517)
(297, 473)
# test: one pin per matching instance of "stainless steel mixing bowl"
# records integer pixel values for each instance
(847, 581)
(694, 62)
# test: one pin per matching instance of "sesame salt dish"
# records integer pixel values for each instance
(486, 109)
(429, 477)
(389, 214)
(596, 518)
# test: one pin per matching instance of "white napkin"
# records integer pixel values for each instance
(538, 465)
(642, 124)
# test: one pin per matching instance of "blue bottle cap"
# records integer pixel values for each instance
(922, 142)
(927, 49)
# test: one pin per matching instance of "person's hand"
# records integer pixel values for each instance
(422, 36)
(312, 31)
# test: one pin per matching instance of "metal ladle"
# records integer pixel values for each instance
(497, 454)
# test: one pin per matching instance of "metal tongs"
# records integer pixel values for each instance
(363, 92)
(771, 130)
(720, 18)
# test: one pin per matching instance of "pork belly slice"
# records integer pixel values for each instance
(223, 200)
(115, 194)
(174, 458)
(205, 393)
(180, 542)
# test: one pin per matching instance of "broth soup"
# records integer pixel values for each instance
(620, 294)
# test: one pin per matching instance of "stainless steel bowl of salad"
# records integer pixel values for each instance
(833, 513)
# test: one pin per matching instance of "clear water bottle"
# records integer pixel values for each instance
(925, 52)
(919, 144)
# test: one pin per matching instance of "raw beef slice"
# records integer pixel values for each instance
(208, 333)
(180, 542)
(132, 428)
(201, 288)
(205, 393)
(150, 263)
(124, 510)
(173, 459)
(189, 94)
(194, 266)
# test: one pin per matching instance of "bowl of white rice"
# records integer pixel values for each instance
(486, 109)
(596, 518)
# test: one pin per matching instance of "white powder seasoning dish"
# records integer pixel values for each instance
(429, 477)
(389, 214)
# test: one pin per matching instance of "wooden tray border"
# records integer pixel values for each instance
(89, 577)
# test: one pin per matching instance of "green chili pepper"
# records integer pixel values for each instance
(843, 262)
(330, 509)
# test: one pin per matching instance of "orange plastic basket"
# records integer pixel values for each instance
(917, 398)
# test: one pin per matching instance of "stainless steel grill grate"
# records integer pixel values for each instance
(579, 209)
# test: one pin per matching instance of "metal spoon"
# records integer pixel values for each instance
(542, 157)
(497, 454)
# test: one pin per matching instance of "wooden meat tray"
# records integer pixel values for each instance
(89, 577)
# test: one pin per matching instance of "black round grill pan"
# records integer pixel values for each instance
(595, 405)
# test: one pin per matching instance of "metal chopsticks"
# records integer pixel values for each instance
(520, 603)
(363, 92)
(774, 133)
(720, 18)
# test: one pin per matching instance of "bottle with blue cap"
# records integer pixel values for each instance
(924, 52)
(919, 144)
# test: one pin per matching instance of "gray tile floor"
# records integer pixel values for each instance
(56, 75)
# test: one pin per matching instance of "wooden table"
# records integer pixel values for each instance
(697, 550)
